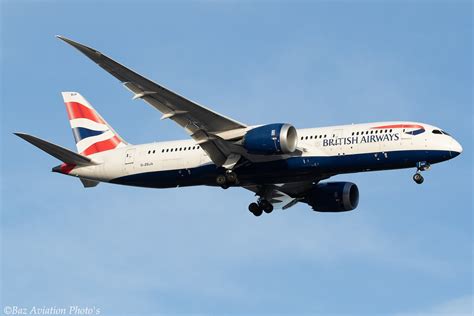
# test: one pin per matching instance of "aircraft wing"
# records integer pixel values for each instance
(211, 130)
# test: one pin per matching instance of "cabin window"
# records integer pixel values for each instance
(325, 136)
(390, 130)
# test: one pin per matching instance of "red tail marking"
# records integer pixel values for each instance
(104, 145)
(77, 110)
(67, 167)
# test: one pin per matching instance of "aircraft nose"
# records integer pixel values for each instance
(456, 148)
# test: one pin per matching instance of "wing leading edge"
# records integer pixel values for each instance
(209, 129)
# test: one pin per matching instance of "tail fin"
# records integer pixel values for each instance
(91, 132)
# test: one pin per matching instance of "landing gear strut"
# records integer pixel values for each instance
(227, 179)
(261, 206)
(420, 166)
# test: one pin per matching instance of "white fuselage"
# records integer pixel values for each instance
(349, 148)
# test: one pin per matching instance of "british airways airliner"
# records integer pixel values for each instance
(282, 165)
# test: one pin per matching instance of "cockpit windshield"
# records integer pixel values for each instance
(439, 132)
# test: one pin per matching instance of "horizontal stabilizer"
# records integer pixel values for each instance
(59, 152)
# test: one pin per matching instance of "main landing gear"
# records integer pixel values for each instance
(227, 179)
(420, 166)
(261, 206)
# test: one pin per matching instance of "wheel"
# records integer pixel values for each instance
(255, 209)
(418, 178)
(231, 177)
(266, 206)
(221, 180)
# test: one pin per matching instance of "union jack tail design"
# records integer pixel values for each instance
(91, 132)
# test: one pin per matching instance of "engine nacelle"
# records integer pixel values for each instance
(271, 139)
(333, 197)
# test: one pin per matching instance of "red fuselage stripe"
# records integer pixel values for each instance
(399, 126)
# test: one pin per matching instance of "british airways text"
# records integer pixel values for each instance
(360, 139)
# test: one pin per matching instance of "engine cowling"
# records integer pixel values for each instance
(333, 197)
(271, 139)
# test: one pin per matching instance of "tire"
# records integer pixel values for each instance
(266, 206)
(418, 178)
(221, 180)
(253, 208)
(258, 213)
(231, 177)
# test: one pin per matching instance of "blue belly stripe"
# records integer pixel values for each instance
(288, 170)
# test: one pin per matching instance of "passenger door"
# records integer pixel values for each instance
(129, 160)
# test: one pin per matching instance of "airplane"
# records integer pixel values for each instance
(280, 164)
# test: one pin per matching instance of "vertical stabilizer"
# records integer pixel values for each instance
(91, 132)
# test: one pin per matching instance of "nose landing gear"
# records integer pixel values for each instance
(418, 178)
(420, 166)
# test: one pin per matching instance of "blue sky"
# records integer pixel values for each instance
(407, 249)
